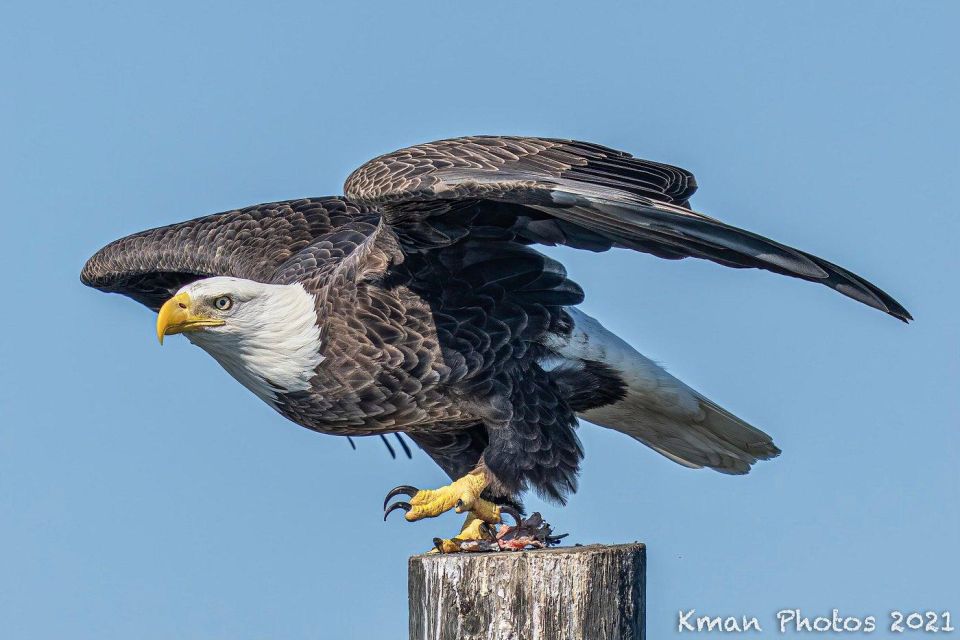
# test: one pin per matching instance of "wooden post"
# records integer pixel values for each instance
(594, 592)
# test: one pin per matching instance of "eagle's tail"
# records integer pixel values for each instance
(618, 388)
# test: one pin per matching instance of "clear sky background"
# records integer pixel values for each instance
(145, 494)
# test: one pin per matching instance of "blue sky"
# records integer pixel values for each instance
(143, 493)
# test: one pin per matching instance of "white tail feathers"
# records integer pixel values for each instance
(659, 410)
(718, 440)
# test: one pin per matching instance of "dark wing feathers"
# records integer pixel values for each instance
(542, 190)
(251, 243)
(362, 249)
(418, 169)
(582, 195)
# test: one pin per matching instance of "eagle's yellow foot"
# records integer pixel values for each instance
(474, 528)
(460, 495)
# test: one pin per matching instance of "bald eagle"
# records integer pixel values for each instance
(417, 304)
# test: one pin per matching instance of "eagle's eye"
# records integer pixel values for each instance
(223, 303)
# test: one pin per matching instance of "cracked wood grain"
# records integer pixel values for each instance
(593, 592)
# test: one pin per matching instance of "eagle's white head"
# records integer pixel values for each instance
(267, 336)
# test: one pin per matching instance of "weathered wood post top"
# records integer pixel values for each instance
(593, 592)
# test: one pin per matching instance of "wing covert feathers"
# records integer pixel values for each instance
(434, 169)
(250, 243)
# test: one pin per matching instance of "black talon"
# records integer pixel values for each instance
(488, 531)
(513, 513)
(552, 540)
(402, 490)
(396, 505)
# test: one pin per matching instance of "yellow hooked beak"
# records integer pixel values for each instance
(176, 316)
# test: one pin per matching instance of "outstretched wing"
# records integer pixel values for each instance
(572, 193)
(250, 243)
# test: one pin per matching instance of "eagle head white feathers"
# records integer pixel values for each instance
(417, 304)
(267, 336)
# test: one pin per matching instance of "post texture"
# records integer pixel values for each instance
(594, 592)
